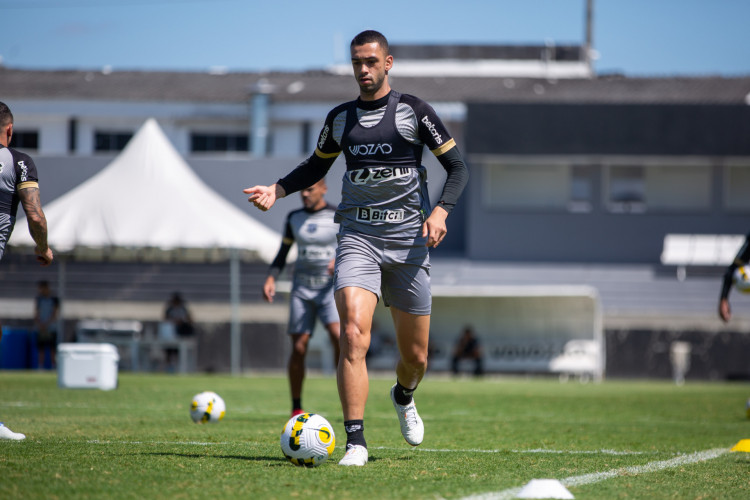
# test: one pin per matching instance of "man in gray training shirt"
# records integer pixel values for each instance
(313, 229)
(386, 228)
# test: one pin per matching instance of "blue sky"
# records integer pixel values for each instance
(634, 37)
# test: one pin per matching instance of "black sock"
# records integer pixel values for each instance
(355, 432)
(402, 395)
(296, 403)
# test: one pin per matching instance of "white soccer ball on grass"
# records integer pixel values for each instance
(308, 440)
(207, 407)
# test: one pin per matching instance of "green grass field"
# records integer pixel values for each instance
(618, 439)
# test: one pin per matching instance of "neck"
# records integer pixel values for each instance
(318, 206)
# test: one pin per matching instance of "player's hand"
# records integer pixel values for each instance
(269, 289)
(434, 228)
(264, 197)
(44, 258)
(725, 312)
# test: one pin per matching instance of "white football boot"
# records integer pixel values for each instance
(412, 427)
(355, 455)
(6, 433)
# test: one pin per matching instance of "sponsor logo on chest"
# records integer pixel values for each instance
(365, 214)
(371, 149)
(367, 175)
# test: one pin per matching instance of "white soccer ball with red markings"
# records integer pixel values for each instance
(308, 440)
(207, 407)
(741, 279)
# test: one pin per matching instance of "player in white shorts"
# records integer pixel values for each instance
(387, 225)
(313, 230)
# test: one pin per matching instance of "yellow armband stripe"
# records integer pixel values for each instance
(28, 184)
(443, 148)
(321, 154)
(287, 241)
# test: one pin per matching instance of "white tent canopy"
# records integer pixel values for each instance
(149, 197)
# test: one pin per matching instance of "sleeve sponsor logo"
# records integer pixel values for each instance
(323, 137)
(431, 127)
(371, 149)
(1, 167)
(363, 176)
(365, 214)
(24, 171)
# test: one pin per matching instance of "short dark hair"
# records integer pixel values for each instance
(6, 116)
(371, 36)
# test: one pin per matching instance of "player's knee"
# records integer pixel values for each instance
(415, 359)
(355, 340)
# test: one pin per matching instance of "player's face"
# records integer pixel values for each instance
(312, 197)
(371, 65)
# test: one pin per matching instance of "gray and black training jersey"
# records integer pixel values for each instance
(17, 171)
(384, 189)
(314, 232)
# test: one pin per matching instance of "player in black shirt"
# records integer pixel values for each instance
(386, 228)
(742, 259)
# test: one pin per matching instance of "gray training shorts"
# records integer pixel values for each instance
(308, 303)
(397, 268)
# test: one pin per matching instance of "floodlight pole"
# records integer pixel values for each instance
(61, 285)
(234, 292)
(589, 43)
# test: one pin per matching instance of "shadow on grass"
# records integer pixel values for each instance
(230, 457)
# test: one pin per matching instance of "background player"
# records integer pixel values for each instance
(387, 225)
(313, 229)
(19, 183)
(742, 259)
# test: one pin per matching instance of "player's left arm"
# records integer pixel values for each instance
(437, 138)
(28, 193)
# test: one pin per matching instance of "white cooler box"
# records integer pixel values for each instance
(87, 366)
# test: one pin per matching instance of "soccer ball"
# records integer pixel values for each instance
(307, 440)
(207, 407)
(741, 279)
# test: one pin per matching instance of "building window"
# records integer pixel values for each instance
(24, 139)
(582, 179)
(626, 190)
(678, 188)
(541, 187)
(201, 143)
(737, 188)
(111, 141)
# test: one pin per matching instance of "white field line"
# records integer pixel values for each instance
(595, 477)
(536, 450)
(190, 443)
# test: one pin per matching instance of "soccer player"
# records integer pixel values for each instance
(742, 259)
(313, 229)
(46, 310)
(386, 229)
(19, 183)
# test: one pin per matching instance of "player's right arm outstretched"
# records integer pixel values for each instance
(264, 197)
(306, 174)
